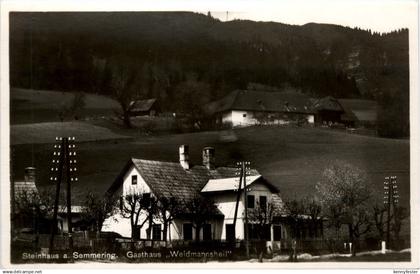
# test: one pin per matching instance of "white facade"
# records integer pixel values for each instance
(243, 118)
(226, 203)
(117, 223)
(224, 200)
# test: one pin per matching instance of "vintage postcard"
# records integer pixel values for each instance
(248, 134)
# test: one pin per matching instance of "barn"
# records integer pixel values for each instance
(329, 111)
(252, 107)
(147, 107)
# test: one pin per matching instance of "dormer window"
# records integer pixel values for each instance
(134, 179)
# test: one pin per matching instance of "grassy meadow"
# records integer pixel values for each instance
(291, 158)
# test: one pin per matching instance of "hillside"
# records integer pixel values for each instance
(292, 158)
(36, 106)
(182, 55)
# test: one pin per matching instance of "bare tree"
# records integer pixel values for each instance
(313, 209)
(97, 209)
(124, 75)
(131, 208)
(399, 215)
(33, 206)
(261, 217)
(168, 209)
(74, 109)
(194, 94)
(344, 186)
(199, 210)
(150, 206)
(378, 214)
(296, 209)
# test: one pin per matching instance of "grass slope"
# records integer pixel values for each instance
(35, 106)
(291, 158)
(39, 133)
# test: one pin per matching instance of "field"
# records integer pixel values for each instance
(38, 133)
(30, 106)
(291, 158)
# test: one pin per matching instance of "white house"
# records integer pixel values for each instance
(251, 107)
(185, 181)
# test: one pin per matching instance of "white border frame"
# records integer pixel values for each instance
(185, 5)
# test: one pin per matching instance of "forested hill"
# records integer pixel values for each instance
(183, 54)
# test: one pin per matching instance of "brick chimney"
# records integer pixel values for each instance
(30, 174)
(184, 157)
(208, 157)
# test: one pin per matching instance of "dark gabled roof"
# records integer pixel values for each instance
(25, 188)
(142, 105)
(279, 209)
(167, 179)
(171, 179)
(328, 103)
(252, 100)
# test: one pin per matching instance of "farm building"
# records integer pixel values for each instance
(330, 110)
(251, 107)
(148, 107)
(28, 200)
(185, 181)
(365, 111)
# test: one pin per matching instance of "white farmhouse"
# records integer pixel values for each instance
(251, 107)
(185, 181)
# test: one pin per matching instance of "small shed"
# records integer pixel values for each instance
(147, 107)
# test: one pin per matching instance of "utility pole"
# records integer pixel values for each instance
(56, 171)
(246, 210)
(64, 165)
(390, 199)
(243, 170)
(238, 197)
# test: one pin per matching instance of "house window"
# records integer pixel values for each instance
(207, 232)
(277, 232)
(230, 232)
(263, 202)
(244, 115)
(250, 201)
(134, 179)
(187, 230)
(156, 232)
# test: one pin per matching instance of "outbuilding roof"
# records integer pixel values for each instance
(142, 105)
(226, 184)
(270, 101)
(328, 103)
(25, 188)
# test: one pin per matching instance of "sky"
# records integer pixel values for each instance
(377, 15)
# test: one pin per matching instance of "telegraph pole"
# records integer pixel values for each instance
(245, 168)
(390, 199)
(238, 197)
(64, 165)
(56, 171)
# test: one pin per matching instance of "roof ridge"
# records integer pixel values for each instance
(154, 161)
